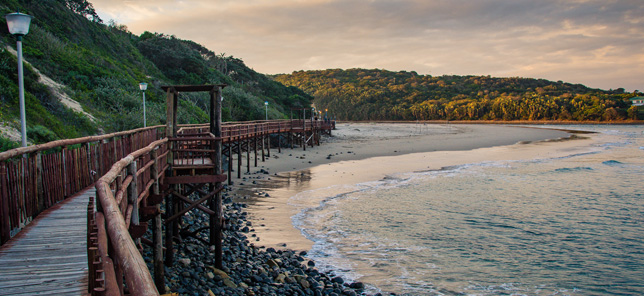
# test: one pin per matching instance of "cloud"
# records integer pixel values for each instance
(593, 42)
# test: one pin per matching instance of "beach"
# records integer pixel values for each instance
(436, 209)
(277, 189)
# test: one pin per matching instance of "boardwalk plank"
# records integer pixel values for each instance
(49, 256)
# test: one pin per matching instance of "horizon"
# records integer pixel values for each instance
(587, 42)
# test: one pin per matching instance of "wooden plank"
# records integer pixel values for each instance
(49, 256)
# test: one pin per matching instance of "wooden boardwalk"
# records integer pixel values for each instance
(49, 256)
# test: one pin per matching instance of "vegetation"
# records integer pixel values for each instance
(360, 94)
(101, 65)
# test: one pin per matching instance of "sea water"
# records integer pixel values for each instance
(569, 225)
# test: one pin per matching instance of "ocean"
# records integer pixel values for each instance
(569, 223)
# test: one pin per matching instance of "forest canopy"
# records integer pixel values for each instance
(374, 94)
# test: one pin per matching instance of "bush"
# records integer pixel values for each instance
(39, 134)
(6, 144)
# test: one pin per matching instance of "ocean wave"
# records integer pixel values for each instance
(572, 170)
(612, 163)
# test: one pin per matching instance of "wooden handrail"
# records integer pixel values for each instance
(135, 271)
(68, 142)
(30, 185)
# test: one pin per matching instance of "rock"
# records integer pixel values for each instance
(210, 275)
(219, 272)
(272, 263)
(357, 285)
(184, 261)
(304, 283)
(349, 292)
(281, 278)
(229, 283)
(310, 263)
(337, 279)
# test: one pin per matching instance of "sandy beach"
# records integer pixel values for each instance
(363, 152)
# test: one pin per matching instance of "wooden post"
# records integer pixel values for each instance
(157, 231)
(263, 142)
(40, 189)
(133, 192)
(255, 144)
(216, 204)
(239, 156)
(268, 143)
(169, 200)
(63, 172)
(247, 154)
(5, 232)
(230, 160)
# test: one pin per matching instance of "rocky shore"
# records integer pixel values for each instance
(247, 269)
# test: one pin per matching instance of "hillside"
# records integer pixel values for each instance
(100, 66)
(361, 94)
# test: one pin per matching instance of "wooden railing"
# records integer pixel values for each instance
(243, 129)
(121, 192)
(34, 178)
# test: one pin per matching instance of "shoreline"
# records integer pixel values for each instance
(264, 253)
(511, 122)
(357, 153)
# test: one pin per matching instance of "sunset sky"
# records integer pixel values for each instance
(598, 43)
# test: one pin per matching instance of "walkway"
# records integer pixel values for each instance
(49, 257)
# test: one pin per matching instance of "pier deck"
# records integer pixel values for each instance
(49, 256)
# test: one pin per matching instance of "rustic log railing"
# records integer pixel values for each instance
(121, 193)
(34, 178)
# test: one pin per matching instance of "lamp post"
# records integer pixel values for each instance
(266, 106)
(143, 86)
(18, 24)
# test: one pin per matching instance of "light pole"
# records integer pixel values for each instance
(18, 24)
(266, 106)
(143, 86)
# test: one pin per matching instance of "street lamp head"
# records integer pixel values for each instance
(143, 86)
(266, 103)
(18, 23)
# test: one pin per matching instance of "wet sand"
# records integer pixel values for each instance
(363, 152)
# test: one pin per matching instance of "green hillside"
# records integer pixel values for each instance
(361, 94)
(100, 66)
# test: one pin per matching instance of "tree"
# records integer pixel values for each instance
(633, 112)
(84, 8)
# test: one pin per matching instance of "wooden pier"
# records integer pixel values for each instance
(135, 174)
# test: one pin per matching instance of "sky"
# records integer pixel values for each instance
(598, 43)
